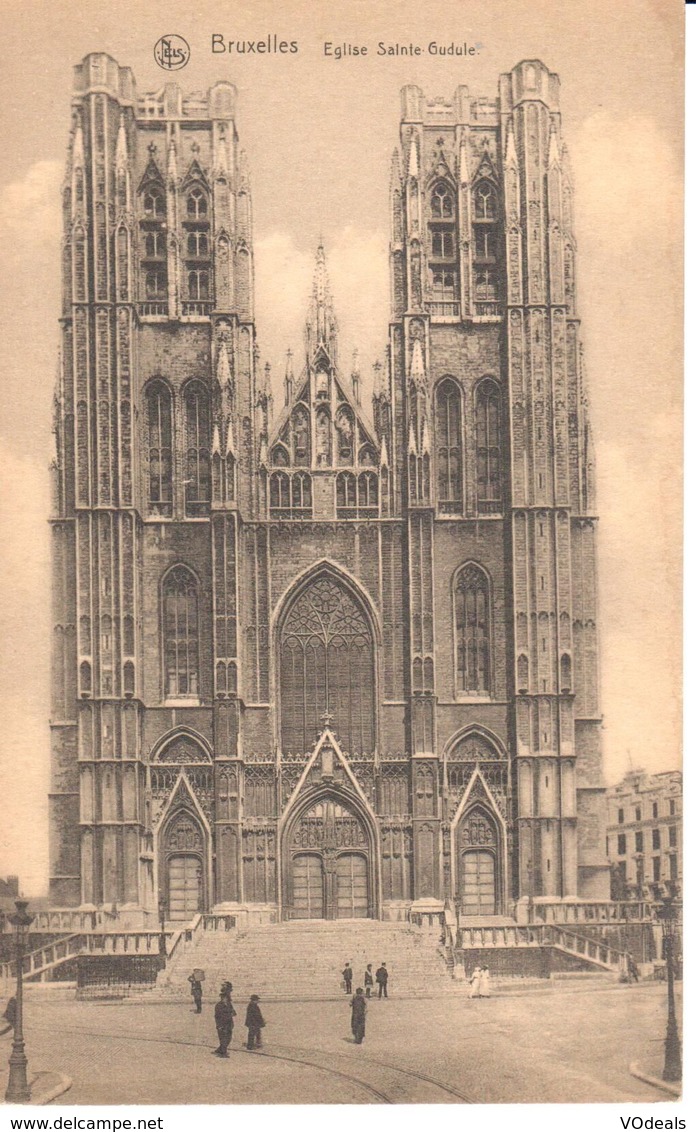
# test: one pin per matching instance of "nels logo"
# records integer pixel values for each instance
(172, 52)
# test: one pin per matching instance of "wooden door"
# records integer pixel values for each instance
(478, 883)
(185, 886)
(351, 885)
(307, 887)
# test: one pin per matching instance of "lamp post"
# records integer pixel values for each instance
(667, 914)
(163, 934)
(17, 1087)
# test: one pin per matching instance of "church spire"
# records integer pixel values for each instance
(289, 378)
(321, 321)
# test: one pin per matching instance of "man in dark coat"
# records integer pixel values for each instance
(382, 977)
(348, 977)
(369, 981)
(358, 1014)
(225, 1014)
(196, 992)
(254, 1023)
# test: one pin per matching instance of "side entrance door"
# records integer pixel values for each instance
(185, 876)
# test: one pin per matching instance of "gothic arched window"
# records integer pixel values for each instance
(345, 492)
(442, 203)
(327, 664)
(153, 245)
(153, 203)
(443, 268)
(196, 205)
(180, 630)
(485, 202)
(486, 250)
(472, 612)
(159, 439)
(488, 446)
(280, 491)
(449, 446)
(367, 491)
(197, 413)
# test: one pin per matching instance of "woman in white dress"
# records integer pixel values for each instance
(475, 983)
(485, 983)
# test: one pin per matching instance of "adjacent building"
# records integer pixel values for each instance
(644, 831)
(341, 660)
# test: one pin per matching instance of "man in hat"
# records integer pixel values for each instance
(196, 991)
(254, 1023)
(358, 1014)
(382, 977)
(348, 977)
(225, 1014)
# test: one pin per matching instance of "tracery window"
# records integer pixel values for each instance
(153, 250)
(327, 664)
(291, 496)
(345, 492)
(159, 430)
(367, 492)
(442, 244)
(154, 205)
(486, 250)
(488, 488)
(441, 202)
(198, 285)
(180, 628)
(197, 413)
(449, 446)
(473, 631)
(197, 245)
(196, 205)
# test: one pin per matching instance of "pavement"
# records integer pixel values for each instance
(570, 1045)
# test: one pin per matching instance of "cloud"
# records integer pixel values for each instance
(30, 209)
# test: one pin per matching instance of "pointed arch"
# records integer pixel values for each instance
(479, 852)
(326, 661)
(184, 854)
(472, 626)
(180, 633)
(197, 425)
(488, 444)
(160, 447)
(448, 429)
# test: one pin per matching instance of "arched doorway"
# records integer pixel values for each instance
(479, 862)
(182, 865)
(328, 863)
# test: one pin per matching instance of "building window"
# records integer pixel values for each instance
(159, 429)
(656, 868)
(180, 623)
(154, 206)
(291, 497)
(621, 817)
(486, 245)
(199, 286)
(639, 843)
(367, 492)
(673, 836)
(488, 446)
(443, 269)
(449, 446)
(196, 205)
(326, 664)
(153, 245)
(655, 810)
(621, 844)
(197, 245)
(673, 867)
(472, 629)
(197, 412)
(485, 202)
(638, 813)
(672, 807)
(656, 839)
(156, 284)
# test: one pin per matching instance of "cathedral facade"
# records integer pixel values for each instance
(338, 660)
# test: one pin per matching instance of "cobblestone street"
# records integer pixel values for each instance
(564, 1044)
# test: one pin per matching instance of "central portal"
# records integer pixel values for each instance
(327, 864)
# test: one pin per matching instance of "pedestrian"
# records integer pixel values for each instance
(196, 990)
(382, 977)
(369, 981)
(10, 1014)
(633, 972)
(485, 984)
(348, 977)
(225, 1015)
(475, 983)
(358, 1014)
(254, 1023)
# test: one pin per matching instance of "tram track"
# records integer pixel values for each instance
(314, 1059)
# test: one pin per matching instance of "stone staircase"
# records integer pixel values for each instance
(304, 960)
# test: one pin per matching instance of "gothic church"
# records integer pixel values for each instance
(339, 661)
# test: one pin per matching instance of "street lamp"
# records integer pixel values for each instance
(163, 934)
(17, 1087)
(667, 915)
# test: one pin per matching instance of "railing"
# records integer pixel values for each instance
(219, 922)
(440, 309)
(540, 935)
(34, 963)
(592, 912)
(153, 309)
(488, 310)
(196, 308)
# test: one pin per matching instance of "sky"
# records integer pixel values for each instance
(319, 133)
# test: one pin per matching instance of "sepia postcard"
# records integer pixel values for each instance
(341, 421)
